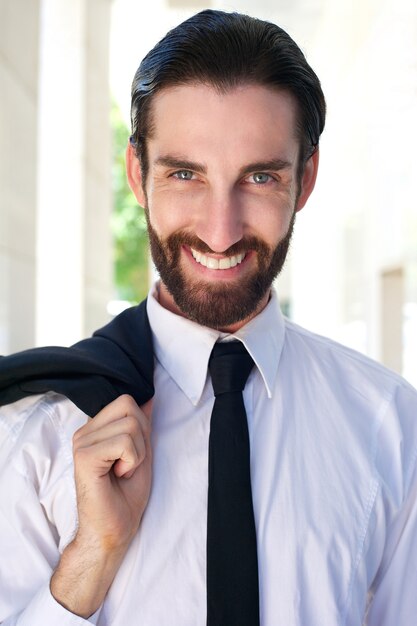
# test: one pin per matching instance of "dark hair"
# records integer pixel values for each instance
(226, 50)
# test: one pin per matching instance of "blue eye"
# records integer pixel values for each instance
(184, 175)
(260, 178)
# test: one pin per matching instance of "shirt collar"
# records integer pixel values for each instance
(183, 347)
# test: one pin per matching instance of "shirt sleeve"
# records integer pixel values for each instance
(394, 592)
(37, 515)
(43, 610)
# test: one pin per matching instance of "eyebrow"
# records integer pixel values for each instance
(258, 166)
(261, 166)
(181, 164)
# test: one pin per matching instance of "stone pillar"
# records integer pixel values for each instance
(98, 267)
(73, 243)
(19, 43)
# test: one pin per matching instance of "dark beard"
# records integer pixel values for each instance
(217, 305)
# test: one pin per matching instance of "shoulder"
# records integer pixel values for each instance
(336, 360)
(37, 428)
(360, 397)
(36, 467)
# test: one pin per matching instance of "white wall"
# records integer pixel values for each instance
(363, 215)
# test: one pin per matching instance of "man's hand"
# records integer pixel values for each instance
(112, 464)
(112, 460)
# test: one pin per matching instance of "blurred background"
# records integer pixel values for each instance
(72, 240)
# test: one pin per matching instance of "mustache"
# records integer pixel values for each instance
(181, 238)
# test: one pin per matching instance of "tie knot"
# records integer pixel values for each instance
(230, 365)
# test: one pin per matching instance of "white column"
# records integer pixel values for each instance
(73, 242)
(19, 35)
(98, 271)
(60, 298)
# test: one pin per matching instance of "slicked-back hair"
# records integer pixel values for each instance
(226, 50)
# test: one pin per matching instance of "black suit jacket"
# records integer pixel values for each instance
(117, 359)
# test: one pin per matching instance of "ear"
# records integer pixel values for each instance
(308, 179)
(134, 174)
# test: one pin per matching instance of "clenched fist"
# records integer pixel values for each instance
(112, 460)
(113, 470)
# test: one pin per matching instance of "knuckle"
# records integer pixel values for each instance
(127, 402)
(125, 441)
(131, 424)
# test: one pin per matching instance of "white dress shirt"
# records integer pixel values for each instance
(333, 460)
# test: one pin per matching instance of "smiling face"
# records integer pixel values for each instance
(220, 196)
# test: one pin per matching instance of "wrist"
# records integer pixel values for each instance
(84, 575)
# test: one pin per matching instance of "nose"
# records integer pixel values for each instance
(220, 221)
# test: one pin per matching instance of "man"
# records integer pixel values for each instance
(226, 117)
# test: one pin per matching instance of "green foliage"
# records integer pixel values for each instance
(131, 258)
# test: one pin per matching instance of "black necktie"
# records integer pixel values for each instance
(232, 562)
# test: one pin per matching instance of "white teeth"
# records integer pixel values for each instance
(224, 264)
(212, 264)
(217, 264)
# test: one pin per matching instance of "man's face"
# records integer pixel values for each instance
(220, 197)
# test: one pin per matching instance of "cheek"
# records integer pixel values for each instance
(172, 209)
(272, 224)
(269, 211)
(166, 215)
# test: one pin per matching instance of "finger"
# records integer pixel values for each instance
(120, 451)
(142, 441)
(121, 407)
(145, 419)
(135, 426)
(101, 443)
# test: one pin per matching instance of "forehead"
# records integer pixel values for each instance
(198, 118)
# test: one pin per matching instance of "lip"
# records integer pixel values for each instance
(218, 274)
